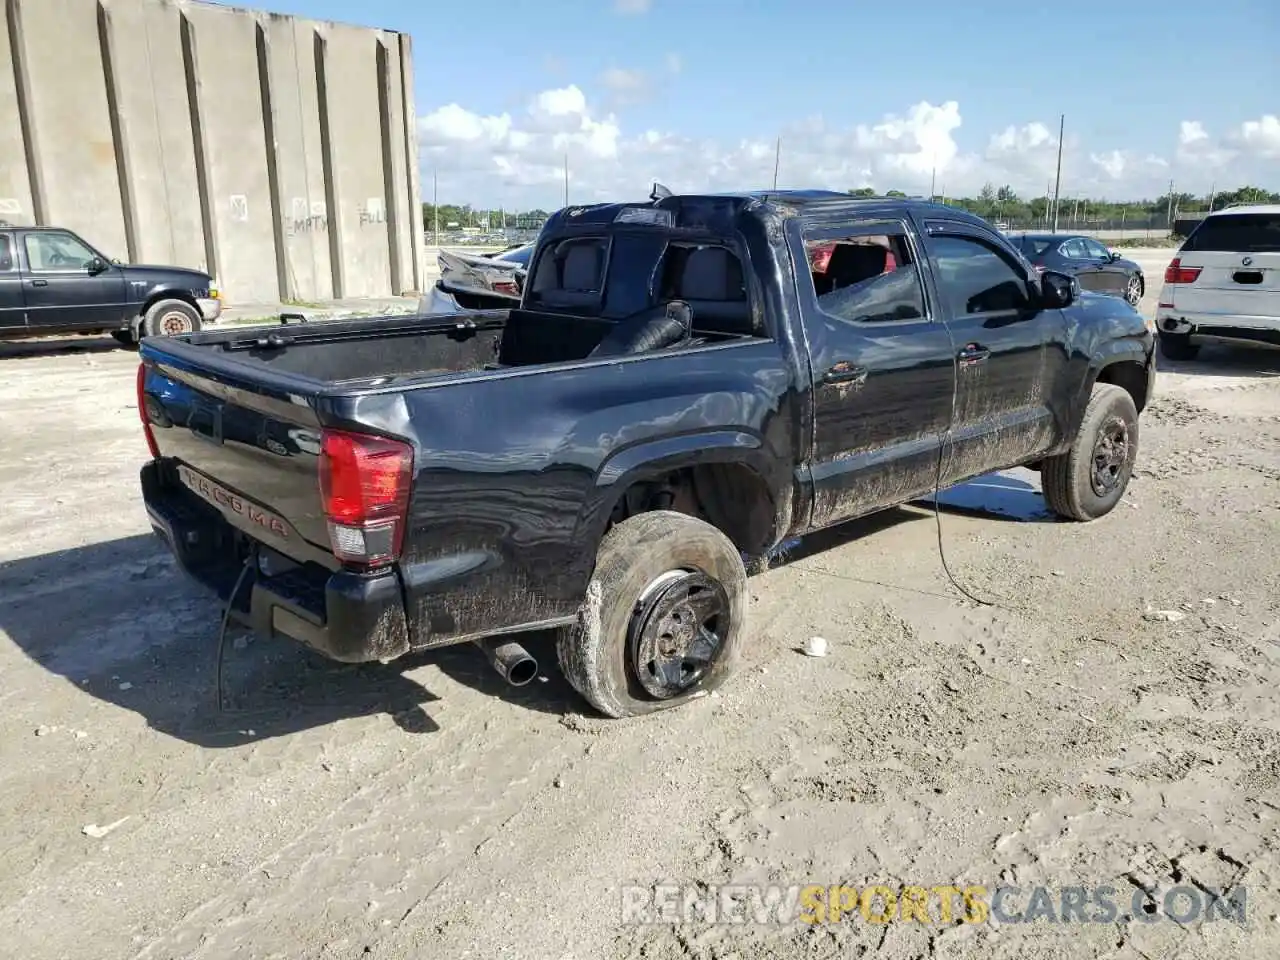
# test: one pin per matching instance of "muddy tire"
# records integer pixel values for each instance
(1177, 346)
(664, 617)
(1088, 480)
(168, 318)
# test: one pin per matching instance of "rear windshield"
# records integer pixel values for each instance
(1236, 233)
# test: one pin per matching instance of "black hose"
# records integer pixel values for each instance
(250, 563)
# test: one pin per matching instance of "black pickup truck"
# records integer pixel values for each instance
(685, 384)
(52, 281)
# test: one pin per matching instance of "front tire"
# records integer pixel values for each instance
(169, 318)
(664, 617)
(1178, 346)
(1088, 480)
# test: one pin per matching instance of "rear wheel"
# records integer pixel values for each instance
(1178, 346)
(1088, 480)
(169, 318)
(1133, 290)
(665, 614)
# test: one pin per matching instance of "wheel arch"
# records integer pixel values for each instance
(163, 293)
(722, 477)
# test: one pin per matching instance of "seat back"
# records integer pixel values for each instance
(573, 277)
(852, 263)
(711, 282)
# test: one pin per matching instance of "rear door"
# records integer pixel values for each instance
(1238, 256)
(11, 303)
(60, 287)
(883, 376)
(1009, 352)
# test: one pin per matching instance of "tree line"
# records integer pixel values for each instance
(992, 203)
(1003, 204)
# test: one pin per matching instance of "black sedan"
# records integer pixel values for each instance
(1097, 268)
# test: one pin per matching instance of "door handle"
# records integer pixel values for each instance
(39, 283)
(845, 372)
(974, 353)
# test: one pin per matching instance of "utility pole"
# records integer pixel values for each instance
(1213, 193)
(566, 179)
(435, 205)
(1057, 186)
(933, 184)
(777, 159)
(1168, 216)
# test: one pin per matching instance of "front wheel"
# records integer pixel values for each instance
(1133, 290)
(169, 318)
(1088, 480)
(664, 616)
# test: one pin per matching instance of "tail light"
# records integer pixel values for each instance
(142, 412)
(364, 484)
(506, 286)
(1177, 273)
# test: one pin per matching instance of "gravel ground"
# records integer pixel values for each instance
(1059, 737)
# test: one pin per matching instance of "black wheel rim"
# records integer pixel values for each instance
(677, 632)
(1133, 292)
(1110, 456)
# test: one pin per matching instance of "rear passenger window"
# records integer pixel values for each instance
(973, 278)
(571, 274)
(7, 263)
(865, 278)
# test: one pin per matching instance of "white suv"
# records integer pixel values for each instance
(1224, 283)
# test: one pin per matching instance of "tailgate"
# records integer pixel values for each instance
(249, 450)
(1228, 285)
(1231, 265)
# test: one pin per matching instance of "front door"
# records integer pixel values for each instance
(882, 366)
(1113, 278)
(1010, 354)
(11, 302)
(62, 286)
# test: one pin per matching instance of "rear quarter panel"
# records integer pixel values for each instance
(515, 475)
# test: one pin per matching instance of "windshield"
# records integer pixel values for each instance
(1236, 233)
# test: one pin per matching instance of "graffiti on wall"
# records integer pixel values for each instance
(239, 205)
(306, 217)
(372, 211)
(10, 207)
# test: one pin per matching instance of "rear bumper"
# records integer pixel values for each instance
(210, 309)
(350, 617)
(1219, 326)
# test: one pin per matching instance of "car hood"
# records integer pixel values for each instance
(157, 273)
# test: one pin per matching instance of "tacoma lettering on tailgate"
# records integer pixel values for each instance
(225, 500)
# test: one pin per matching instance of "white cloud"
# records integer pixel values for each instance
(632, 7)
(1261, 136)
(517, 159)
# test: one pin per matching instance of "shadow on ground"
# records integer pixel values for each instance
(1221, 360)
(120, 622)
(59, 347)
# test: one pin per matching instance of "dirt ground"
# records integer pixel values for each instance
(1057, 738)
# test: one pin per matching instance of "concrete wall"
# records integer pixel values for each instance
(278, 153)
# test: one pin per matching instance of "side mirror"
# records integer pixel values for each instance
(1114, 255)
(1058, 290)
(96, 265)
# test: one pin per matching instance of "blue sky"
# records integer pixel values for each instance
(693, 90)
